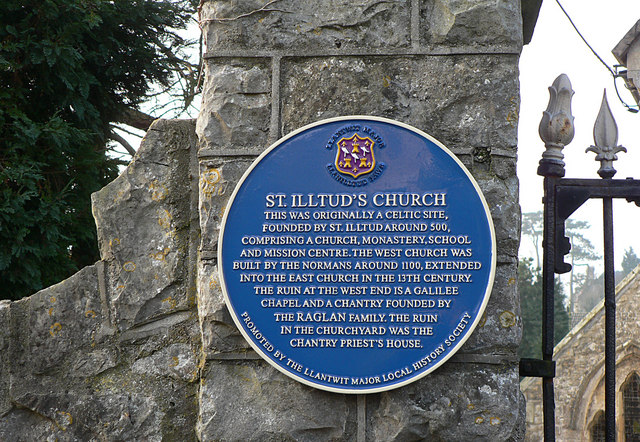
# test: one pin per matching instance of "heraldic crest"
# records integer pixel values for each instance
(355, 155)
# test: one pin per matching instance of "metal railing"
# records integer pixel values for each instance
(562, 197)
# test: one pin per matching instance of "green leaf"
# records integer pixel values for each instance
(67, 68)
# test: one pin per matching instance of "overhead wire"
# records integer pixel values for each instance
(630, 108)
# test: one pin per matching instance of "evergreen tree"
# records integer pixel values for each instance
(68, 70)
(629, 262)
(530, 289)
(581, 254)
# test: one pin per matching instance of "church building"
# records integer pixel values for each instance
(579, 381)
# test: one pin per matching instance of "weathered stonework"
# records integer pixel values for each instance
(431, 410)
(216, 183)
(456, 23)
(220, 336)
(112, 353)
(237, 112)
(301, 26)
(149, 246)
(5, 401)
(269, 406)
(465, 102)
(579, 381)
(389, 59)
(141, 346)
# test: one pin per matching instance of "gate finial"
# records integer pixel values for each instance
(556, 127)
(605, 135)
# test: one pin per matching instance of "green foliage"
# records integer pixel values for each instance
(530, 289)
(67, 69)
(629, 262)
(582, 250)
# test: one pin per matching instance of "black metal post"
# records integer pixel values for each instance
(548, 286)
(610, 323)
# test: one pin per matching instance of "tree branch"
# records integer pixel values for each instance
(113, 126)
(135, 118)
(115, 137)
(171, 56)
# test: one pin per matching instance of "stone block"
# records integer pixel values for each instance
(55, 322)
(113, 406)
(464, 23)
(504, 167)
(20, 425)
(176, 361)
(144, 228)
(218, 178)
(70, 377)
(5, 339)
(236, 108)
(500, 328)
(295, 26)
(219, 332)
(456, 402)
(502, 199)
(268, 406)
(465, 102)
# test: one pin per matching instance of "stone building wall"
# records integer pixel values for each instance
(579, 381)
(141, 345)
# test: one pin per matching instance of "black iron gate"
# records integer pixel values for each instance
(562, 197)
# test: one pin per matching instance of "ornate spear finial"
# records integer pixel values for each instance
(556, 127)
(605, 135)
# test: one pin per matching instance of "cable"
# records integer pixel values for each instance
(584, 40)
(633, 108)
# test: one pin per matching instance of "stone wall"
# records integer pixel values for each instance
(141, 345)
(112, 352)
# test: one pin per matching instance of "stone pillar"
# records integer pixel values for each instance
(140, 346)
(447, 67)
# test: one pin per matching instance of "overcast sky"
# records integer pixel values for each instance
(556, 48)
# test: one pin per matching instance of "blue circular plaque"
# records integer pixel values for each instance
(357, 254)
